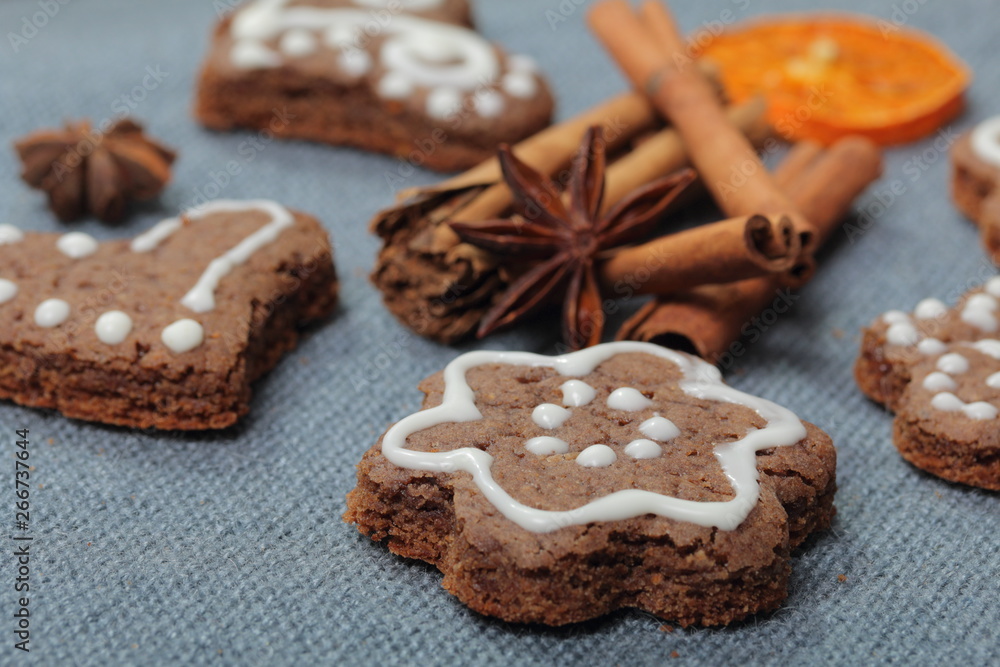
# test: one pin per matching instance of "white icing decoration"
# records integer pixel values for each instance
(550, 415)
(489, 103)
(251, 54)
(113, 327)
(522, 63)
(408, 5)
(993, 286)
(183, 336)
(51, 313)
(700, 380)
(297, 43)
(522, 85)
(953, 364)
(628, 399)
(443, 102)
(986, 141)
(201, 297)
(546, 445)
(896, 317)
(430, 54)
(9, 234)
(948, 402)
(643, 449)
(77, 245)
(597, 456)
(978, 312)
(988, 346)
(931, 347)
(395, 86)
(938, 381)
(993, 381)
(659, 428)
(902, 333)
(577, 393)
(8, 290)
(930, 309)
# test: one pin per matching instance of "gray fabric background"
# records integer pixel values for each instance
(228, 547)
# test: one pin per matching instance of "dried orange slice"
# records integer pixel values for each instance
(827, 76)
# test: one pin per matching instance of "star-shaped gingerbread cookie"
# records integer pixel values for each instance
(558, 489)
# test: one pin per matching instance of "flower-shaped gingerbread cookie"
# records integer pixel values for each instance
(557, 489)
(939, 370)
(168, 330)
(975, 181)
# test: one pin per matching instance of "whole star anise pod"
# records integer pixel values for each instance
(565, 241)
(84, 170)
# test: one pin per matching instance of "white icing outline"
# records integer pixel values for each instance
(700, 380)
(985, 141)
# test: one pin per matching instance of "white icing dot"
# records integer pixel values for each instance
(522, 85)
(9, 234)
(628, 399)
(953, 364)
(442, 102)
(643, 449)
(251, 54)
(395, 86)
(947, 402)
(993, 286)
(489, 104)
(938, 381)
(550, 415)
(521, 63)
(980, 410)
(930, 309)
(113, 327)
(297, 43)
(355, 62)
(340, 35)
(77, 245)
(988, 346)
(597, 456)
(545, 445)
(577, 393)
(895, 317)
(8, 290)
(931, 347)
(51, 313)
(902, 333)
(993, 381)
(659, 428)
(183, 335)
(985, 141)
(978, 312)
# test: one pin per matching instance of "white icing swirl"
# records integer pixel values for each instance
(700, 379)
(986, 141)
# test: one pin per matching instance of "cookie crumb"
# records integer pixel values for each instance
(838, 333)
(841, 578)
(675, 654)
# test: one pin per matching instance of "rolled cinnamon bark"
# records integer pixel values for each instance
(720, 252)
(710, 320)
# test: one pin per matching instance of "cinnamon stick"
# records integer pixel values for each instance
(721, 252)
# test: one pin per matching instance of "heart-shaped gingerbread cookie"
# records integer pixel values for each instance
(938, 369)
(401, 77)
(168, 330)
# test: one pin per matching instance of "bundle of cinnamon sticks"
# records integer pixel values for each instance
(708, 281)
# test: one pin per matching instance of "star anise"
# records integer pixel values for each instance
(84, 170)
(563, 242)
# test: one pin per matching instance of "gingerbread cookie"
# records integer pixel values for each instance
(166, 331)
(938, 369)
(399, 77)
(558, 489)
(975, 180)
